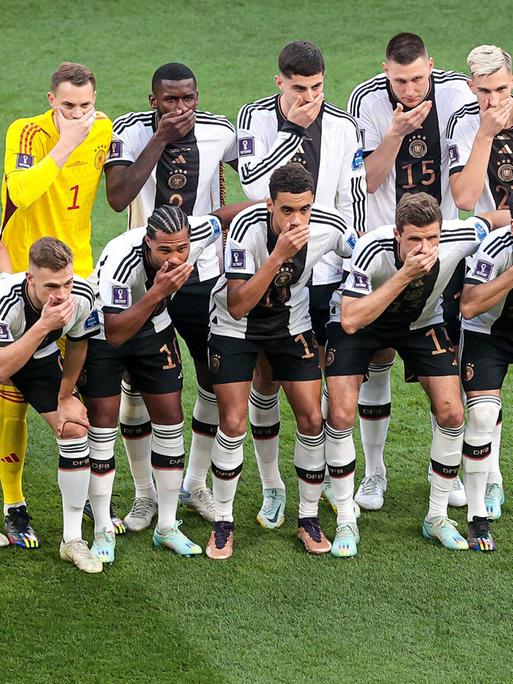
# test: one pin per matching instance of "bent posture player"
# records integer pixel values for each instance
(480, 140)
(487, 352)
(36, 309)
(403, 115)
(172, 154)
(260, 305)
(53, 163)
(298, 125)
(391, 299)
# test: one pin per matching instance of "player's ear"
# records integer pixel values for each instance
(152, 100)
(384, 66)
(51, 99)
(278, 80)
(431, 64)
(270, 205)
(397, 235)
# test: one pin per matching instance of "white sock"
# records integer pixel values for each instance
(310, 466)
(445, 461)
(103, 470)
(264, 417)
(17, 504)
(167, 457)
(341, 463)
(227, 457)
(374, 404)
(494, 471)
(483, 412)
(205, 419)
(73, 479)
(136, 432)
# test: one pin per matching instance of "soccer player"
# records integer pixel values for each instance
(485, 358)
(260, 305)
(53, 163)
(172, 154)
(136, 274)
(36, 309)
(391, 299)
(403, 115)
(297, 124)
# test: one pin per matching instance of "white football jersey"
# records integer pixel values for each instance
(494, 256)
(376, 259)
(187, 174)
(330, 149)
(422, 163)
(18, 314)
(284, 308)
(122, 275)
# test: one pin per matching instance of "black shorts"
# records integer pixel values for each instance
(485, 360)
(320, 296)
(426, 352)
(39, 381)
(153, 362)
(451, 303)
(292, 358)
(189, 311)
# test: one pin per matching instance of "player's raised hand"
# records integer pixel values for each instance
(418, 263)
(169, 280)
(291, 240)
(54, 315)
(404, 123)
(73, 132)
(304, 113)
(174, 126)
(494, 119)
(70, 410)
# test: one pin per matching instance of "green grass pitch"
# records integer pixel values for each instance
(401, 611)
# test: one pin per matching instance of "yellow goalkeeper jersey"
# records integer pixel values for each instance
(41, 200)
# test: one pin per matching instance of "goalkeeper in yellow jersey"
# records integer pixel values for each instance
(53, 163)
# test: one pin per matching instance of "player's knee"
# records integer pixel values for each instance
(341, 417)
(309, 423)
(483, 413)
(233, 425)
(450, 414)
(73, 431)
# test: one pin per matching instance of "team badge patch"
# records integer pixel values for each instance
(483, 269)
(351, 240)
(505, 173)
(418, 147)
(24, 161)
(468, 372)
(361, 281)
(454, 155)
(357, 160)
(5, 333)
(116, 149)
(481, 231)
(120, 296)
(93, 321)
(238, 258)
(215, 363)
(99, 158)
(216, 226)
(246, 146)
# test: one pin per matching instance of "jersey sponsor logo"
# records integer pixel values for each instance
(418, 147)
(116, 149)
(5, 333)
(361, 281)
(481, 231)
(238, 258)
(351, 240)
(92, 321)
(357, 160)
(483, 269)
(454, 155)
(24, 161)
(120, 295)
(246, 146)
(216, 226)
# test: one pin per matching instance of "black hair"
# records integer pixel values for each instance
(174, 71)
(167, 218)
(290, 178)
(300, 58)
(405, 48)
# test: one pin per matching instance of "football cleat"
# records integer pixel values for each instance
(346, 539)
(104, 545)
(76, 551)
(457, 496)
(220, 544)
(171, 538)
(444, 529)
(18, 528)
(201, 501)
(313, 538)
(494, 500)
(479, 535)
(119, 525)
(371, 492)
(272, 513)
(141, 514)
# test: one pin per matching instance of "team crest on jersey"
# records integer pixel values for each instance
(99, 158)
(92, 321)
(483, 269)
(5, 333)
(120, 295)
(505, 172)
(361, 281)
(246, 146)
(238, 258)
(357, 160)
(418, 147)
(468, 372)
(178, 179)
(24, 161)
(454, 155)
(116, 149)
(284, 275)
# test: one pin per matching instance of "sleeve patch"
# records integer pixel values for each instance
(120, 295)
(92, 321)
(482, 269)
(246, 146)
(361, 281)
(481, 230)
(5, 333)
(357, 163)
(116, 149)
(238, 258)
(216, 226)
(454, 155)
(24, 161)
(351, 240)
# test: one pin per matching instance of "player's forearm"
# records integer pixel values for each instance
(27, 186)
(477, 299)
(243, 298)
(123, 183)
(121, 327)
(499, 218)
(467, 186)
(74, 360)
(379, 163)
(14, 356)
(357, 313)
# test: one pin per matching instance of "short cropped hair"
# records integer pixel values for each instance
(300, 58)
(69, 72)
(174, 71)
(405, 48)
(487, 59)
(49, 252)
(417, 210)
(167, 218)
(293, 178)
